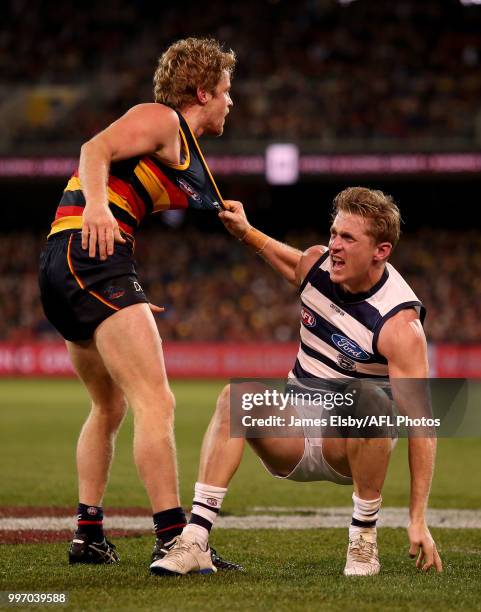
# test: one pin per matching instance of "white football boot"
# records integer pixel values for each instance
(362, 555)
(185, 557)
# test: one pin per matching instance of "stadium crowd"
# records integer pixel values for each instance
(317, 70)
(214, 289)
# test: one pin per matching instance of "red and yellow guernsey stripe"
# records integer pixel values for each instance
(122, 198)
(148, 190)
(164, 194)
(147, 175)
(136, 187)
(69, 216)
(122, 194)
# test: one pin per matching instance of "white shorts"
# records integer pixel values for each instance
(313, 466)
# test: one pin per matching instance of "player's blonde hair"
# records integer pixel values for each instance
(188, 64)
(379, 208)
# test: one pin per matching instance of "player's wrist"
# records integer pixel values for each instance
(255, 239)
(417, 518)
(96, 206)
(243, 232)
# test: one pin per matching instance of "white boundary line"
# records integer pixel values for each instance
(271, 517)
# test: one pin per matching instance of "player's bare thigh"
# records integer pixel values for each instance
(283, 454)
(334, 451)
(280, 455)
(91, 369)
(131, 348)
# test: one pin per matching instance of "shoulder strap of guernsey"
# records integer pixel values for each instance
(194, 145)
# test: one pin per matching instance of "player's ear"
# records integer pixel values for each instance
(203, 96)
(383, 251)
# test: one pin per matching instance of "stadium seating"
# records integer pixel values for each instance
(214, 289)
(335, 76)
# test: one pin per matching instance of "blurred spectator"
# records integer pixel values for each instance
(313, 69)
(214, 289)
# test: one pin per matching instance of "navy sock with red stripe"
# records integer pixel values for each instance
(90, 521)
(169, 523)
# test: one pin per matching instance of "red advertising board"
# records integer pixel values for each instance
(216, 360)
(254, 164)
(183, 360)
(458, 361)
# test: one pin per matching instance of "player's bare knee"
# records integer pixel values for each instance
(373, 411)
(382, 445)
(159, 406)
(167, 399)
(372, 400)
(112, 411)
(224, 396)
(222, 411)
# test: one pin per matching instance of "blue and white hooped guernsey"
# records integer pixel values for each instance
(339, 331)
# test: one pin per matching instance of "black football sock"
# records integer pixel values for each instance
(90, 522)
(169, 523)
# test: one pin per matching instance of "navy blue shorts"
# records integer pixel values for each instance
(78, 292)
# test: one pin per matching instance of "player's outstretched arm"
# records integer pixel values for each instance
(282, 257)
(145, 128)
(403, 343)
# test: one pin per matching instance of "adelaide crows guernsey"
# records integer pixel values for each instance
(143, 185)
(339, 331)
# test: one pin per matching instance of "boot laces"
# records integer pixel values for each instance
(179, 547)
(361, 550)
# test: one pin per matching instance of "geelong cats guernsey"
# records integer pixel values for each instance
(339, 330)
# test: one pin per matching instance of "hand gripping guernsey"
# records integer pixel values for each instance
(339, 331)
(78, 292)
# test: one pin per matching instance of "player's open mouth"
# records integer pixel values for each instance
(337, 264)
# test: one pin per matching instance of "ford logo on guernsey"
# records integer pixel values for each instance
(350, 348)
(308, 318)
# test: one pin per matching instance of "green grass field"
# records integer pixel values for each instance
(39, 424)
(285, 571)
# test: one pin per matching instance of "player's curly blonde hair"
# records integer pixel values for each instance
(188, 64)
(378, 207)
